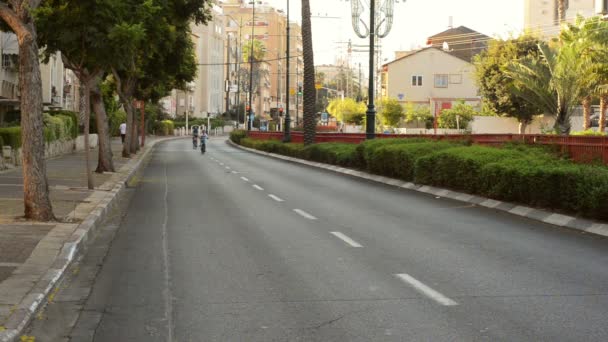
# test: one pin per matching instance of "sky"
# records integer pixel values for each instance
(414, 21)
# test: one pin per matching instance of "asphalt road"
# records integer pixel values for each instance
(232, 246)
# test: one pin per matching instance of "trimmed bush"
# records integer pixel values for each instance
(365, 150)
(332, 153)
(11, 136)
(73, 122)
(237, 135)
(399, 160)
(164, 127)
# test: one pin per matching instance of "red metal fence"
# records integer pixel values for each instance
(580, 148)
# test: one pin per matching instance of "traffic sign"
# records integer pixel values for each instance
(292, 91)
(318, 86)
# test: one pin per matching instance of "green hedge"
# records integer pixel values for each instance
(365, 150)
(237, 135)
(164, 127)
(11, 136)
(73, 122)
(399, 160)
(332, 153)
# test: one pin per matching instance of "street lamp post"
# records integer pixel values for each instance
(251, 68)
(380, 23)
(287, 129)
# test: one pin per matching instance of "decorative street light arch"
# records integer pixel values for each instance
(380, 24)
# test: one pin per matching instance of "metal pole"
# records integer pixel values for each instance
(227, 85)
(287, 129)
(296, 93)
(251, 69)
(370, 131)
(238, 76)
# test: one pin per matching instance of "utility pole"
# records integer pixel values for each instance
(359, 92)
(227, 84)
(296, 92)
(249, 114)
(238, 75)
(278, 87)
(287, 128)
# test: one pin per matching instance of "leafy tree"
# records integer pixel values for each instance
(17, 15)
(457, 117)
(347, 110)
(550, 81)
(83, 51)
(419, 114)
(391, 112)
(258, 73)
(494, 84)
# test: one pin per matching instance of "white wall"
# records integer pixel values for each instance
(501, 125)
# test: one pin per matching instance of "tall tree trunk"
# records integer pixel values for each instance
(586, 112)
(81, 106)
(522, 127)
(126, 147)
(603, 104)
(309, 76)
(105, 162)
(561, 11)
(133, 128)
(35, 184)
(87, 124)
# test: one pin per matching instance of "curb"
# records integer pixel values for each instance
(560, 220)
(78, 235)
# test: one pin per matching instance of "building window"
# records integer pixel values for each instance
(441, 81)
(455, 78)
(6, 61)
(416, 81)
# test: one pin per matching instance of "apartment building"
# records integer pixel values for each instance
(208, 88)
(541, 15)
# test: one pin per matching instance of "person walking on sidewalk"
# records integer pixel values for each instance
(123, 131)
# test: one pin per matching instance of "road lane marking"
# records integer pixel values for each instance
(304, 214)
(425, 290)
(227, 167)
(167, 293)
(245, 179)
(235, 172)
(346, 239)
(222, 164)
(258, 187)
(275, 198)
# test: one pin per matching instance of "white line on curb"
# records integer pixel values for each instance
(304, 214)
(425, 290)
(258, 187)
(245, 179)
(275, 198)
(346, 239)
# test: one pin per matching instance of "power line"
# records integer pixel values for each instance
(260, 61)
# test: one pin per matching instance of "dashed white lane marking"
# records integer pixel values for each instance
(275, 198)
(227, 167)
(304, 214)
(346, 239)
(235, 172)
(258, 187)
(222, 164)
(425, 290)
(245, 179)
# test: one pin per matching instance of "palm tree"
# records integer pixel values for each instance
(550, 82)
(255, 50)
(561, 10)
(309, 76)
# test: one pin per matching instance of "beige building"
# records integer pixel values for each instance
(541, 15)
(430, 77)
(208, 88)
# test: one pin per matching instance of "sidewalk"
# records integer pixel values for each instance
(33, 256)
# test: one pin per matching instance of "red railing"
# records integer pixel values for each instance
(580, 148)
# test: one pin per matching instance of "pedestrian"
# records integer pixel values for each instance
(123, 131)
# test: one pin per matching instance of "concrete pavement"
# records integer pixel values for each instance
(239, 247)
(34, 256)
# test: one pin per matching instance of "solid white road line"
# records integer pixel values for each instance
(245, 179)
(275, 198)
(304, 214)
(425, 290)
(346, 239)
(258, 187)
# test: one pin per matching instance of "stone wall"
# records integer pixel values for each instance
(53, 149)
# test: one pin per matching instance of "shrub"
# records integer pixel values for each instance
(589, 132)
(399, 160)
(114, 120)
(73, 122)
(237, 135)
(11, 136)
(365, 150)
(331, 153)
(164, 127)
